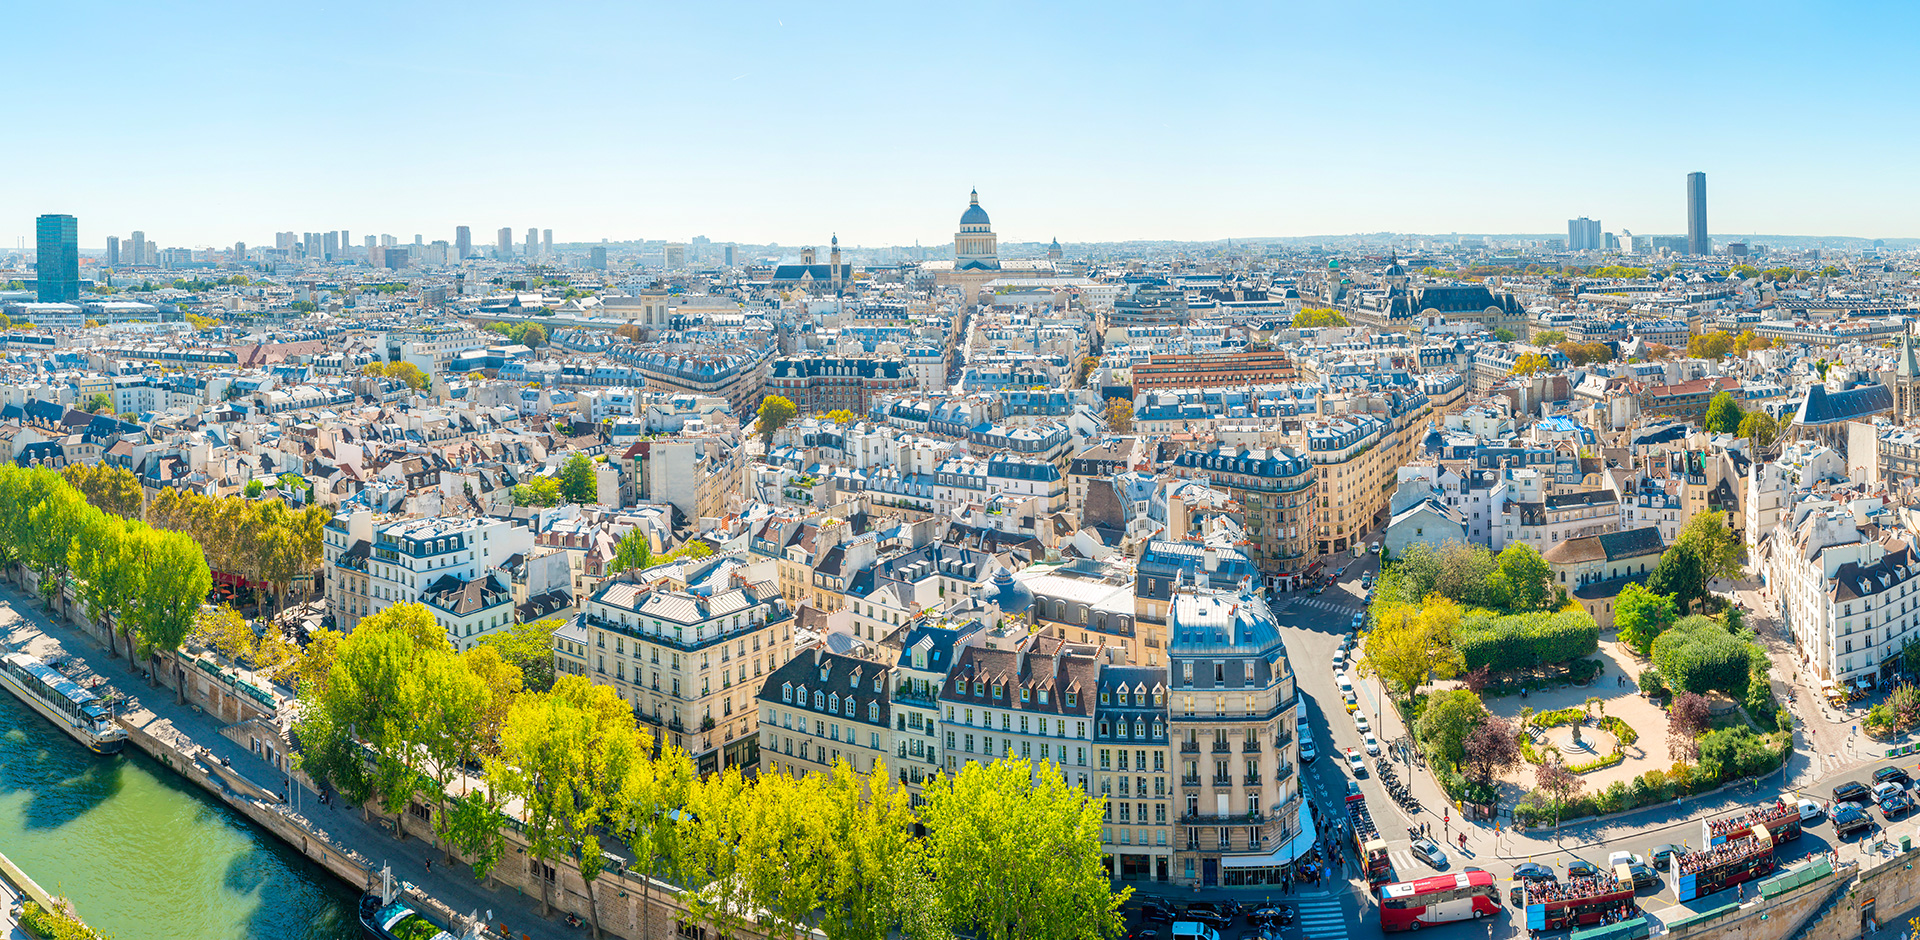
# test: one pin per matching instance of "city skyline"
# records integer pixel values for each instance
(1073, 126)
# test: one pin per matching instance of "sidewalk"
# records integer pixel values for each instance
(452, 885)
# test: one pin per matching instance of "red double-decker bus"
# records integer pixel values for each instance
(1580, 902)
(1411, 905)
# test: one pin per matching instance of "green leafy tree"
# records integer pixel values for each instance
(529, 648)
(1697, 654)
(1642, 616)
(175, 585)
(1446, 723)
(635, 551)
(1550, 338)
(255, 488)
(1721, 555)
(1530, 364)
(99, 403)
(537, 491)
(1410, 642)
(573, 758)
(775, 412)
(1714, 345)
(108, 563)
(576, 480)
(1760, 428)
(1680, 575)
(1016, 856)
(1724, 414)
(1119, 415)
(1319, 317)
(1503, 334)
(1526, 577)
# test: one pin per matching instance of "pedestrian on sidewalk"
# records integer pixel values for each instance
(429, 866)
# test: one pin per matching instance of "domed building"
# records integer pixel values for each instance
(974, 246)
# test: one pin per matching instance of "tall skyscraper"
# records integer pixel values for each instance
(58, 254)
(462, 243)
(113, 251)
(140, 248)
(1583, 234)
(546, 242)
(729, 253)
(504, 250)
(597, 257)
(1697, 241)
(533, 242)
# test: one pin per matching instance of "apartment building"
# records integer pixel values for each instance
(371, 567)
(1849, 599)
(1232, 714)
(691, 650)
(1277, 489)
(1134, 767)
(824, 708)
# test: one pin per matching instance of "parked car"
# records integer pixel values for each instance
(1339, 660)
(1581, 868)
(1372, 745)
(1895, 804)
(1533, 871)
(1346, 685)
(1881, 791)
(1360, 721)
(1428, 852)
(1278, 915)
(1307, 753)
(1849, 818)
(1209, 913)
(1892, 775)
(1809, 811)
(1624, 858)
(1356, 763)
(1643, 876)
(1663, 855)
(1852, 792)
(1359, 620)
(1156, 912)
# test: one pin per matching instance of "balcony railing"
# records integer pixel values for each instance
(1231, 819)
(1222, 747)
(1281, 773)
(1189, 747)
(1223, 780)
(1252, 780)
(1250, 747)
(1190, 780)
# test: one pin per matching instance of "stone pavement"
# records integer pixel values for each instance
(21, 616)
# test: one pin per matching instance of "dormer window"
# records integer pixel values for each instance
(1103, 698)
(979, 687)
(1025, 695)
(786, 692)
(853, 680)
(1043, 696)
(1072, 699)
(825, 672)
(996, 690)
(850, 706)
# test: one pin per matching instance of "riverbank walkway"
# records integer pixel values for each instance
(25, 627)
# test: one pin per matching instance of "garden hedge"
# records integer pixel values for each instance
(1525, 641)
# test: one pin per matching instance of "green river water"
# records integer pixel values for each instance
(143, 854)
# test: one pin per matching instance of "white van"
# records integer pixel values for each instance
(1194, 930)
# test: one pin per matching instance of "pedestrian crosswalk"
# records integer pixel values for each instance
(1322, 919)
(1402, 859)
(1323, 603)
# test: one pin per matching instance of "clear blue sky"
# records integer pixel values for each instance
(207, 123)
